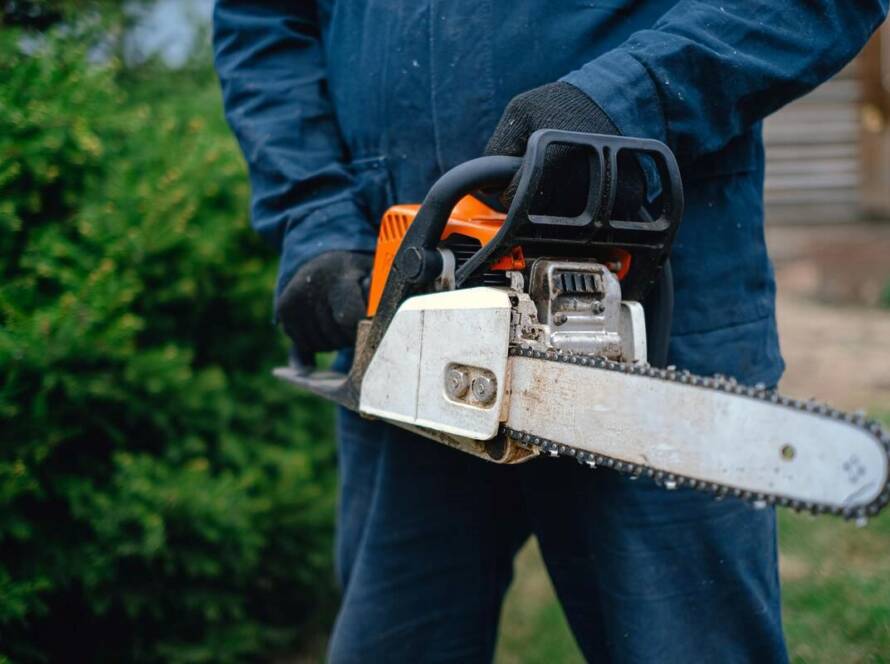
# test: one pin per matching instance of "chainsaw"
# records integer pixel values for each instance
(522, 334)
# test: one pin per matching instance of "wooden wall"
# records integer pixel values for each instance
(875, 125)
(828, 154)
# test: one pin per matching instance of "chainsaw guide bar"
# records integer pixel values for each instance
(673, 480)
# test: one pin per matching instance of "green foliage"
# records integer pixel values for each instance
(836, 584)
(43, 14)
(162, 498)
(533, 628)
(885, 296)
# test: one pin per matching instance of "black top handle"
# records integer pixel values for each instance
(602, 151)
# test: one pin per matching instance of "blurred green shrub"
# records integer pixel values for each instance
(162, 498)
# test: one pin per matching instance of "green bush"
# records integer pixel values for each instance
(162, 498)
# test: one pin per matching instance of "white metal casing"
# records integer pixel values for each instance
(405, 380)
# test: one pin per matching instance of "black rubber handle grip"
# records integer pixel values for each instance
(480, 173)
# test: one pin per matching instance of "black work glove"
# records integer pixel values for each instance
(564, 187)
(324, 301)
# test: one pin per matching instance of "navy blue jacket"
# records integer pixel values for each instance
(343, 107)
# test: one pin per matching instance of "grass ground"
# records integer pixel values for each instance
(835, 584)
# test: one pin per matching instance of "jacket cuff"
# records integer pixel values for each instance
(621, 86)
(338, 227)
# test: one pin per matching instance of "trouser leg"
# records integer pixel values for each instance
(426, 543)
(647, 575)
(358, 456)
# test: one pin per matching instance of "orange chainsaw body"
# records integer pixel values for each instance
(470, 218)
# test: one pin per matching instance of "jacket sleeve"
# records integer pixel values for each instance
(271, 66)
(708, 70)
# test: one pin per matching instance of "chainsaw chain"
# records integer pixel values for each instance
(716, 382)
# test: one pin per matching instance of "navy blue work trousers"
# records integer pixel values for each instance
(427, 537)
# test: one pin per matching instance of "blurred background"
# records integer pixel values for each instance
(162, 498)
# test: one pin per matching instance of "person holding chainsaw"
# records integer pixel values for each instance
(345, 108)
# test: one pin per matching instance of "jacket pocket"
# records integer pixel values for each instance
(373, 185)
